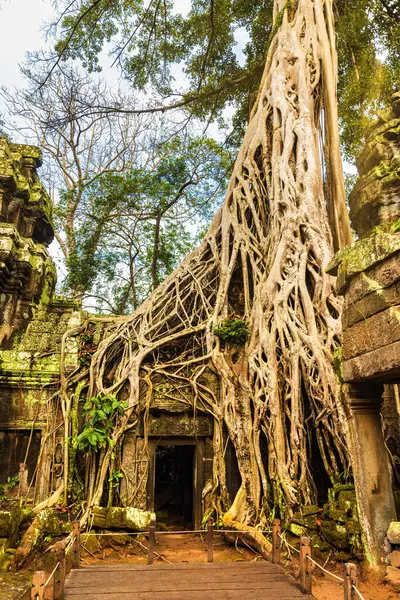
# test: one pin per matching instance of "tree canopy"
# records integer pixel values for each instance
(131, 194)
(153, 44)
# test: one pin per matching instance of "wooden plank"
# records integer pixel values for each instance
(161, 586)
(190, 595)
(183, 581)
(186, 566)
(190, 575)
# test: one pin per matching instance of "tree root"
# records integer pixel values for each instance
(264, 258)
(251, 536)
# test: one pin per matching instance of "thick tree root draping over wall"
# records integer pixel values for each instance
(264, 259)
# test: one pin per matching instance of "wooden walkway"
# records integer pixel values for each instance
(183, 581)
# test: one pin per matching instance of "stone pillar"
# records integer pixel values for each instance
(372, 475)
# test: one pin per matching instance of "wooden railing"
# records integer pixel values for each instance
(349, 579)
(51, 587)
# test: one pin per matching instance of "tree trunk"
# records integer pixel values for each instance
(264, 258)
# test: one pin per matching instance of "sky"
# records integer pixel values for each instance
(21, 23)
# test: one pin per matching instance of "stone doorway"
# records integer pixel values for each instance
(176, 480)
(173, 485)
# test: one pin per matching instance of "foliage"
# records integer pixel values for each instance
(12, 481)
(159, 206)
(115, 477)
(100, 414)
(130, 192)
(396, 226)
(152, 41)
(3, 495)
(86, 348)
(233, 330)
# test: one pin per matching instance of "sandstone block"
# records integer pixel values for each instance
(347, 500)
(307, 522)
(378, 277)
(393, 576)
(335, 534)
(371, 304)
(382, 363)
(379, 330)
(320, 545)
(395, 558)
(121, 518)
(311, 510)
(393, 534)
(297, 530)
(91, 543)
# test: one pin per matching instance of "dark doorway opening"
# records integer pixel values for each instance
(320, 476)
(18, 446)
(173, 493)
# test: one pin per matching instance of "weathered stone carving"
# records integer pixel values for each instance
(26, 270)
(375, 199)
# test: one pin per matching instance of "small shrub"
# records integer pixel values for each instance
(86, 348)
(233, 330)
(100, 413)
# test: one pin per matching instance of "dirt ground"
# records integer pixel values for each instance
(187, 547)
(371, 587)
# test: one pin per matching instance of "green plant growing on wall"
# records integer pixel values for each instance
(3, 495)
(99, 413)
(233, 330)
(86, 348)
(115, 478)
(12, 481)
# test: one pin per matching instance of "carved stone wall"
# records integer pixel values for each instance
(368, 276)
(26, 270)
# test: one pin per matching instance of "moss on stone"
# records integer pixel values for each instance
(335, 534)
(337, 364)
(363, 254)
(396, 226)
(309, 522)
(347, 501)
(296, 529)
(319, 544)
(353, 527)
(120, 518)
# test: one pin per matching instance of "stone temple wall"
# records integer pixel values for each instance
(368, 277)
(32, 322)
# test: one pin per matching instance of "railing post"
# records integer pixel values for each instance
(210, 536)
(38, 589)
(305, 565)
(76, 532)
(350, 579)
(152, 541)
(276, 542)
(59, 575)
